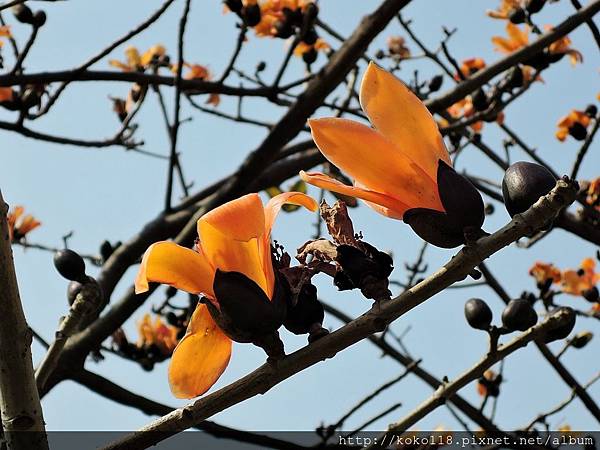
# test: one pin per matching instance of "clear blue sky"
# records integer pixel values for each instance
(109, 193)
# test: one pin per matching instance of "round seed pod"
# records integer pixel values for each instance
(523, 184)
(578, 131)
(564, 330)
(517, 16)
(70, 265)
(310, 56)
(234, 5)
(519, 315)
(478, 314)
(23, 13)
(591, 110)
(435, 83)
(39, 19)
(534, 6)
(251, 15)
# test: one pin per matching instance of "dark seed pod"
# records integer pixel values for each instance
(310, 37)
(23, 14)
(523, 184)
(30, 98)
(310, 56)
(478, 314)
(519, 315)
(582, 339)
(480, 100)
(311, 11)
(534, 6)
(515, 79)
(70, 265)
(283, 29)
(251, 14)
(307, 313)
(39, 19)
(435, 83)
(591, 110)
(234, 5)
(517, 16)
(246, 313)
(564, 330)
(591, 295)
(380, 54)
(261, 66)
(578, 131)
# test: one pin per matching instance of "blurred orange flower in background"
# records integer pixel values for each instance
(543, 272)
(593, 194)
(134, 62)
(575, 124)
(505, 9)
(156, 333)
(470, 66)
(577, 282)
(20, 224)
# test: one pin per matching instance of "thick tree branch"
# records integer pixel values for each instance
(19, 399)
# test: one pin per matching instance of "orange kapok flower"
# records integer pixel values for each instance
(401, 168)
(134, 62)
(20, 224)
(545, 273)
(232, 267)
(578, 282)
(157, 333)
(470, 66)
(593, 194)
(397, 47)
(574, 124)
(518, 38)
(505, 9)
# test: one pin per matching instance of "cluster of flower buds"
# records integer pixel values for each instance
(518, 315)
(24, 14)
(283, 20)
(23, 99)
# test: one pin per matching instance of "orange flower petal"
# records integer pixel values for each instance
(230, 236)
(403, 119)
(200, 357)
(373, 161)
(383, 204)
(271, 210)
(168, 263)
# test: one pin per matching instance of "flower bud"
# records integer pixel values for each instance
(519, 315)
(478, 314)
(23, 14)
(234, 5)
(310, 56)
(523, 184)
(591, 110)
(582, 339)
(70, 265)
(251, 14)
(578, 131)
(563, 330)
(534, 6)
(39, 19)
(591, 295)
(517, 16)
(435, 83)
